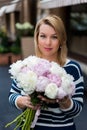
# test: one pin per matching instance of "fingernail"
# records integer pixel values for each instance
(57, 100)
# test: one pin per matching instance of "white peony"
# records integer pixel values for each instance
(15, 69)
(51, 90)
(68, 84)
(56, 69)
(27, 81)
(31, 61)
(61, 93)
(41, 84)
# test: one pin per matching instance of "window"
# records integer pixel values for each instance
(77, 43)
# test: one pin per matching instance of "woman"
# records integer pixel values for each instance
(50, 43)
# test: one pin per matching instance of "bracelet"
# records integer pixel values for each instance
(64, 101)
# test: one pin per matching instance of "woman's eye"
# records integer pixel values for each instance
(43, 36)
(54, 37)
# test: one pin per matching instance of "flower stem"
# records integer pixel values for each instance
(28, 121)
(18, 118)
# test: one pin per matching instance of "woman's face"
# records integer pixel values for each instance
(48, 42)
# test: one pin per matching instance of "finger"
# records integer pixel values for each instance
(40, 97)
(52, 101)
(57, 100)
(28, 98)
(29, 105)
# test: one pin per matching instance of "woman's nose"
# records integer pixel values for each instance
(48, 41)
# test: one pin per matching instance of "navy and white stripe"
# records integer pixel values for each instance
(54, 116)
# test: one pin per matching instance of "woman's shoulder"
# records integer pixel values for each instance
(73, 67)
(70, 62)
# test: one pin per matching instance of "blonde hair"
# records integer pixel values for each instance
(55, 22)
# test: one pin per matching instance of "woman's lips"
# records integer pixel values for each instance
(48, 49)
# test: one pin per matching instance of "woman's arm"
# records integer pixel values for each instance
(17, 99)
(76, 104)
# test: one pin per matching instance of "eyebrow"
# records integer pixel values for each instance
(44, 33)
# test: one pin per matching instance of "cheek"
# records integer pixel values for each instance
(40, 42)
(56, 45)
(40, 45)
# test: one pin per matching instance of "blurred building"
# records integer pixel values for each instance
(16, 11)
(73, 13)
(13, 11)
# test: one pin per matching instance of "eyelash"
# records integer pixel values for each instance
(54, 37)
(43, 36)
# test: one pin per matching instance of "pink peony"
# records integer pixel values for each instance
(55, 79)
(41, 84)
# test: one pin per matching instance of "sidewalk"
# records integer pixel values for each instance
(8, 113)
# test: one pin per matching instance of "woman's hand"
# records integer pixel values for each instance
(63, 103)
(25, 102)
(44, 99)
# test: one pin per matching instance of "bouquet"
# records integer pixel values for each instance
(36, 75)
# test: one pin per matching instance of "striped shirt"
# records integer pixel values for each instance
(54, 116)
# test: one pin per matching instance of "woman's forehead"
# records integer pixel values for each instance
(46, 27)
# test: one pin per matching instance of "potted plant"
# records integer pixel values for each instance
(25, 29)
(15, 50)
(26, 32)
(4, 48)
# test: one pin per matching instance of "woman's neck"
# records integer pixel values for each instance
(54, 59)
